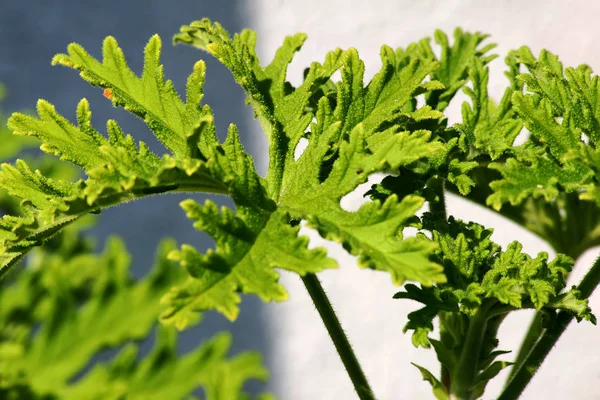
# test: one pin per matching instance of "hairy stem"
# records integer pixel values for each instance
(447, 340)
(533, 334)
(438, 208)
(466, 370)
(572, 241)
(550, 336)
(336, 332)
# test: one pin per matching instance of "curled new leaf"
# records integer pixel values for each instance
(484, 284)
(559, 108)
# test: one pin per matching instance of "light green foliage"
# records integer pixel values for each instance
(560, 109)
(334, 163)
(162, 374)
(68, 304)
(486, 132)
(11, 146)
(489, 130)
(547, 183)
(85, 303)
(353, 135)
(484, 283)
(477, 269)
(393, 124)
(455, 61)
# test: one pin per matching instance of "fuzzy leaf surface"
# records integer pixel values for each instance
(362, 130)
(485, 282)
(560, 108)
(350, 139)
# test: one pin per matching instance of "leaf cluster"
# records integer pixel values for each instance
(353, 131)
(484, 283)
(67, 293)
(393, 124)
(70, 295)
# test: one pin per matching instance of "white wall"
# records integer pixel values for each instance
(305, 365)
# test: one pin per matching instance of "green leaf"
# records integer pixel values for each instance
(282, 114)
(103, 321)
(42, 192)
(439, 391)
(117, 169)
(364, 129)
(487, 362)
(421, 321)
(560, 111)
(337, 146)
(573, 302)
(454, 61)
(488, 131)
(11, 146)
(74, 295)
(483, 278)
(539, 118)
(458, 175)
(243, 260)
(484, 377)
(159, 374)
(150, 97)
(444, 355)
(534, 174)
(506, 291)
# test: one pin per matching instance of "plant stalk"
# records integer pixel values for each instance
(466, 370)
(544, 345)
(438, 208)
(336, 332)
(570, 241)
(533, 334)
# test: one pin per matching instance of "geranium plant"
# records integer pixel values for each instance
(394, 124)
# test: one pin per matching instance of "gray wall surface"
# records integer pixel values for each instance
(303, 362)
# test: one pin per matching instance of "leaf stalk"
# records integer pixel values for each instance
(550, 336)
(466, 370)
(338, 336)
(438, 208)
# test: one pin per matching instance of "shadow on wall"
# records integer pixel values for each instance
(32, 31)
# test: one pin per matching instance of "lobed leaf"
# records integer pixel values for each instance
(335, 162)
(560, 110)
(75, 296)
(150, 97)
(484, 284)
(455, 61)
(361, 130)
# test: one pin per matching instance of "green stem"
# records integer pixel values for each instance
(549, 338)
(570, 237)
(448, 340)
(466, 370)
(438, 208)
(533, 334)
(336, 332)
